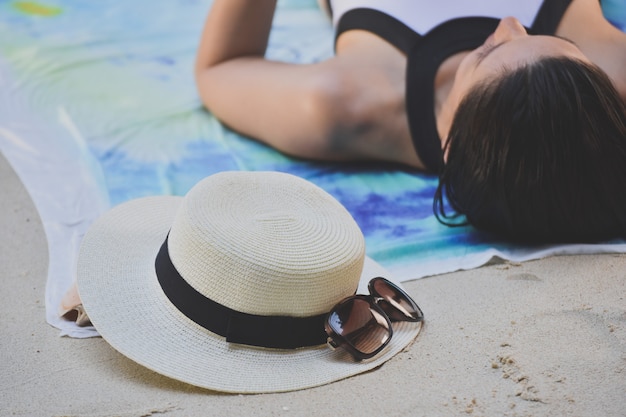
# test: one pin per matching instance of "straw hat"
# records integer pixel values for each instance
(253, 244)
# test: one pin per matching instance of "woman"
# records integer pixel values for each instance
(531, 127)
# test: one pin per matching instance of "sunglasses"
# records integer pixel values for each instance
(361, 324)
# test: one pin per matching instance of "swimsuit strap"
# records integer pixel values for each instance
(425, 53)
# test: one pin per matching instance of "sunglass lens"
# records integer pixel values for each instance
(361, 325)
(396, 303)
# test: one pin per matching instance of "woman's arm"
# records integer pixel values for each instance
(235, 28)
(348, 107)
(287, 106)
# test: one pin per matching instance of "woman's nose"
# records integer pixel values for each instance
(508, 29)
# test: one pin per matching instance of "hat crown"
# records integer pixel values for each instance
(266, 243)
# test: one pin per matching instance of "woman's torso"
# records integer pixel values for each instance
(423, 15)
(426, 33)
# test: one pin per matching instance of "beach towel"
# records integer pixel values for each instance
(98, 106)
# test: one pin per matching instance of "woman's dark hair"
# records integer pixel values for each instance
(539, 155)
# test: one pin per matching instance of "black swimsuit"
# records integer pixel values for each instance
(426, 52)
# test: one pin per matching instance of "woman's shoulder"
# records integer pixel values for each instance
(582, 20)
(605, 45)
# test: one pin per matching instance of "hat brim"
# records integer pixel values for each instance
(120, 292)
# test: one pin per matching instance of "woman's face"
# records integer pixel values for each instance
(509, 47)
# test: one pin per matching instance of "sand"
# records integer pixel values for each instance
(542, 338)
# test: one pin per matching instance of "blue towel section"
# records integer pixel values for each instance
(98, 106)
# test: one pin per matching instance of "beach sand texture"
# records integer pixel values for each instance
(542, 338)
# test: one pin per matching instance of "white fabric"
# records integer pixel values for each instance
(423, 15)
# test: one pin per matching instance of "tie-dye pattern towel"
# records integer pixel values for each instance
(98, 106)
